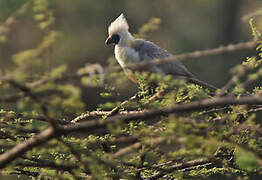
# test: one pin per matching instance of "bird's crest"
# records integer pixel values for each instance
(119, 24)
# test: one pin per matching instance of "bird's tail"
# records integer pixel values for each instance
(203, 84)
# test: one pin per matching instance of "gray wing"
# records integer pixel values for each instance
(148, 51)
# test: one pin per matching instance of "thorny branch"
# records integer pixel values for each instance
(50, 133)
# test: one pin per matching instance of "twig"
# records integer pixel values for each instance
(137, 145)
(89, 114)
(236, 77)
(157, 95)
(94, 114)
(4, 28)
(116, 109)
(181, 166)
(145, 167)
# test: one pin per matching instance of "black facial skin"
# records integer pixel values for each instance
(114, 39)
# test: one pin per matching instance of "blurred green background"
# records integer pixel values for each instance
(185, 26)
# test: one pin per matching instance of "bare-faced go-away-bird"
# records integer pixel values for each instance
(129, 51)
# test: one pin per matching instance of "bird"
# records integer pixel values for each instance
(129, 50)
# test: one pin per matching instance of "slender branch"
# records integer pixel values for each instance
(237, 76)
(16, 97)
(108, 113)
(4, 27)
(193, 55)
(26, 145)
(117, 108)
(95, 114)
(145, 167)
(137, 145)
(182, 166)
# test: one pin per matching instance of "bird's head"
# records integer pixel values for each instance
(118, 32)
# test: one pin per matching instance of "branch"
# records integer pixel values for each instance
(185, 165)
(193, 55)
(95, 114)
(25, 146)
(181, 108)
(49, 133)
(135, 146)
(117, 108)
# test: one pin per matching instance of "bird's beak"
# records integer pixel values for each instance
(109, 41)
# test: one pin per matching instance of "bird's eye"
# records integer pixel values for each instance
(115, 38)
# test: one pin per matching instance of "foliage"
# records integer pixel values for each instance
(139, 138)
